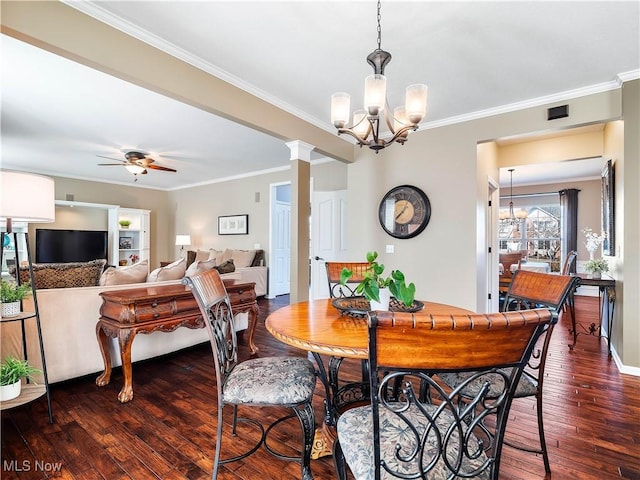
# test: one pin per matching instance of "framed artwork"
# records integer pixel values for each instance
(608, 209)
(233, 225)
(126, 243)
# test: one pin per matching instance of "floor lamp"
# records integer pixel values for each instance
(28, 198)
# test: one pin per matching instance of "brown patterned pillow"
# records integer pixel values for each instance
(64, 275)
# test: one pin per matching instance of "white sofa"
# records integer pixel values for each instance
(68, 318)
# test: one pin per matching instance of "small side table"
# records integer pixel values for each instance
(606, 304)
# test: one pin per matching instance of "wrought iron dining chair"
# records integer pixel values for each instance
(569, 262)
(345, 393)
(442, 436)
(334, 269)
(258, 382)
(531, 290)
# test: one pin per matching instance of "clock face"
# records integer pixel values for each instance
(404, 211)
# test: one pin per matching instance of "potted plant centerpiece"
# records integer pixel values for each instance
(377, 288)
(10, 296)
(12, 371)
(596, 266)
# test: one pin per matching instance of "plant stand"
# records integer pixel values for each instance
(30, 391)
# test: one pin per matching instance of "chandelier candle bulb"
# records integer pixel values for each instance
(416, 102)
(375, 93)
(340, 109)
(400, 120)
(360, 124)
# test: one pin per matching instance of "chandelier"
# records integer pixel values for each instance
(366, 123)
(513, 218)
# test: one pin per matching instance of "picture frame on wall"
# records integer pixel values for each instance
(233, 225)
(608, 208)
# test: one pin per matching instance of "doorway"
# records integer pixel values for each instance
(280, 239)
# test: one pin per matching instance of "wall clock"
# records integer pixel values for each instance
(404, 211)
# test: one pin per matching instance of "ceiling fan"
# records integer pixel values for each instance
(136, 163)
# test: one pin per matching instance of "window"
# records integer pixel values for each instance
(537, 229)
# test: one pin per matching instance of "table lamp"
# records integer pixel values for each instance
(183, 240)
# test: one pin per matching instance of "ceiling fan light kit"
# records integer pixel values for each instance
(137, 163)
(366, 123)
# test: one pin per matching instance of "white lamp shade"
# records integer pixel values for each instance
(183, 239)
(340, 109)
(26, 197)
(375, 93)
(400, 120)
(416, 102)
(360, 123)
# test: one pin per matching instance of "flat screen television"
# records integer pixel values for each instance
(56, 246)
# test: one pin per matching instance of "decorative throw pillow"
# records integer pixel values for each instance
(242, 258)
(217, 255)
(173, 271)
(136, 273)
(199, 266)
(202, 255)
(226, 267)
(64, 275)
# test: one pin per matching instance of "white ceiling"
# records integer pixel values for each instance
(478, 58)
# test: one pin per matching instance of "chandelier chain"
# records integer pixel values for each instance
(379, 28)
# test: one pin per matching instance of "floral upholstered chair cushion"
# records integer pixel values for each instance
(271, 381)
(355, 432)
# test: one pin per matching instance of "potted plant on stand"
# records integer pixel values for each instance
(596, 267)
(12, 371)
(378, 289)
(10, 296)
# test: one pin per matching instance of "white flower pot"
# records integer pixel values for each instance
(10, 309)
(9, 392)
(383, 304)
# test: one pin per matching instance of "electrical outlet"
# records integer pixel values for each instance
(389, 248)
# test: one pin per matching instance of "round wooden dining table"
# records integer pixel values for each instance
(320, 328)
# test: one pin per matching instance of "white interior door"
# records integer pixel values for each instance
(281, 249)
(328, 237)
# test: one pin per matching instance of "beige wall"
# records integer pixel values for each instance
(197, 209)
(447, 260)
(626, 332)
(557, 149)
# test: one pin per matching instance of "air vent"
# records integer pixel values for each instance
(558, 112)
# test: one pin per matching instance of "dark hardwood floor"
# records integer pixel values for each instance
(592, 418)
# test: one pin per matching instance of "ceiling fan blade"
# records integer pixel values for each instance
(116, 159)
(111, 164)
(158, 167)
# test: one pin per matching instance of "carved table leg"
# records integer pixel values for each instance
(125, 340)
(105, 378)
(253, 322)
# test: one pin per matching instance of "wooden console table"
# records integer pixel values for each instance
(125, 313)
